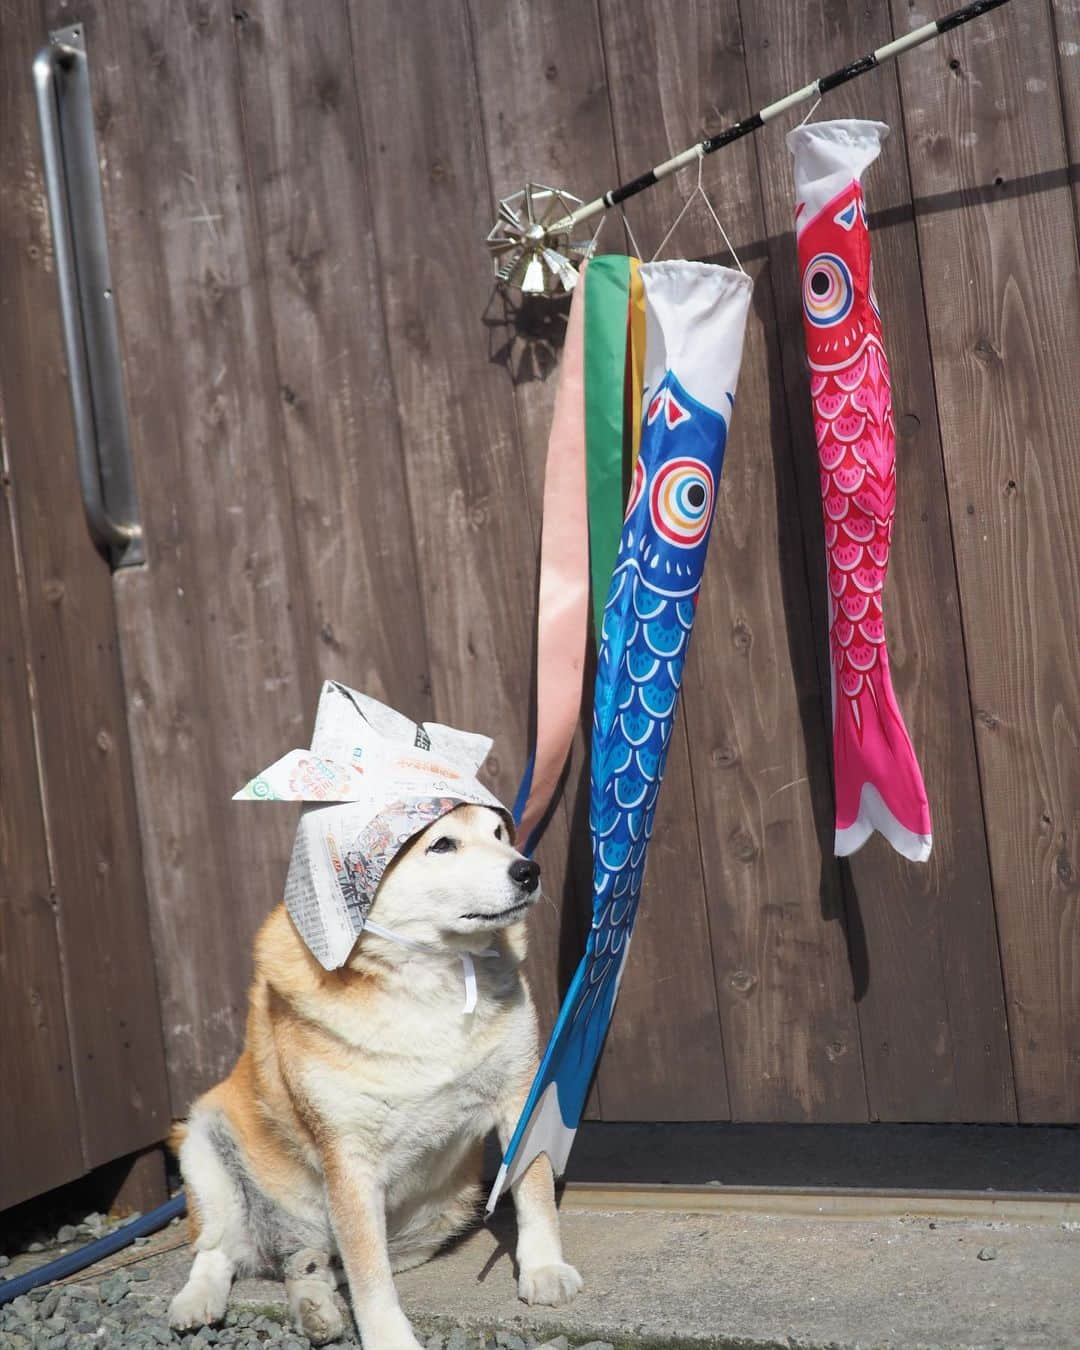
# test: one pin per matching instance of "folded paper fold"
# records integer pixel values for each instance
(370, 782)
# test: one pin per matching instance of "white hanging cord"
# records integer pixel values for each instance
(700, 190)
(467, 959)
(630, 232)
(716, 218)
(590, 248)
(686, 207)
(813, 110)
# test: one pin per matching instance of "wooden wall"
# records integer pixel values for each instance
(340, 430)
(82, 1065)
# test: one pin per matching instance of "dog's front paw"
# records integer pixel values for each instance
(549, 1285)
(198, 1304)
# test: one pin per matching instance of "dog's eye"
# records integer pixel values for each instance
(498, 832)
(444, 844)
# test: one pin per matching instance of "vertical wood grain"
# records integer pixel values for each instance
(219, 677)
(923, 938)
(98, 892)
(303, 144)
(39, 1119)
(474, 531)
(1002, 289)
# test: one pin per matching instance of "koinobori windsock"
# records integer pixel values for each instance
(695, 319)
(878, 783)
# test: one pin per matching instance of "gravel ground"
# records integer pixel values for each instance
(90, 1312)
(92, 1315)
(697, 1280)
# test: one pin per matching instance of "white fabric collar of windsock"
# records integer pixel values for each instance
(371, 781)
(828, 155)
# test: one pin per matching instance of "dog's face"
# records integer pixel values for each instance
(461, 875)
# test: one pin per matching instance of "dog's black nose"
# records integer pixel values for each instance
(526, 873)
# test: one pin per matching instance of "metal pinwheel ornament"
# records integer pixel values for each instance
(530, 243)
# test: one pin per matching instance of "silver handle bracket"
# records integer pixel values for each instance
(87, 303)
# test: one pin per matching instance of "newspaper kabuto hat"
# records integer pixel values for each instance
(371, 781)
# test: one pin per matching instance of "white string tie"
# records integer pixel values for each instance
(468, 963)
(699, 190)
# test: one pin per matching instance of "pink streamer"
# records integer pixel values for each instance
(564, 576)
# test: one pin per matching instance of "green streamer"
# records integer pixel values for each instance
(607, 294)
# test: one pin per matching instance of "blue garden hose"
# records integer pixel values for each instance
(93, 1251)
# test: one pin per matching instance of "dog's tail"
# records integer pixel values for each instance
(175, 1139)
(174, 1142)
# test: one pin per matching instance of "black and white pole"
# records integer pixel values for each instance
(537, 237)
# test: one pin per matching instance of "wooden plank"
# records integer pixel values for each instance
(344, 446)
(1065, 18)
(98, 889)
(1003, 298)
(474, 528)
(39, 1121)
(215, 633)
(557, 129)
(753, 700)
(922, 938)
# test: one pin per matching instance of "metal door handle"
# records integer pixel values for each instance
(91, 339)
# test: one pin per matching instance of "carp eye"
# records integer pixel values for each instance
(681, 501)
(827, 290)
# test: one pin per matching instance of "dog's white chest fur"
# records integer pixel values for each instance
(416, 1075)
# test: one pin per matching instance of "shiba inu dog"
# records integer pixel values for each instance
(353, 1123)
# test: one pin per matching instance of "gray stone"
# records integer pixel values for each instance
(49, 1305)
(596, 1345)
(67, 1233)
(987, 1253)
(435, 1341)
(139, 1273)
(113, 1289)
(23, 1308)
(4, 1261)
(510, 1340)
(559, 1343)
(457, 1340)
(160, 1335)
(36, 1247)
(81, 1291)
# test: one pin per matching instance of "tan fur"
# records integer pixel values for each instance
(353, 1121)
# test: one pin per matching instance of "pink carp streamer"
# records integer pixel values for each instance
(878, 783)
